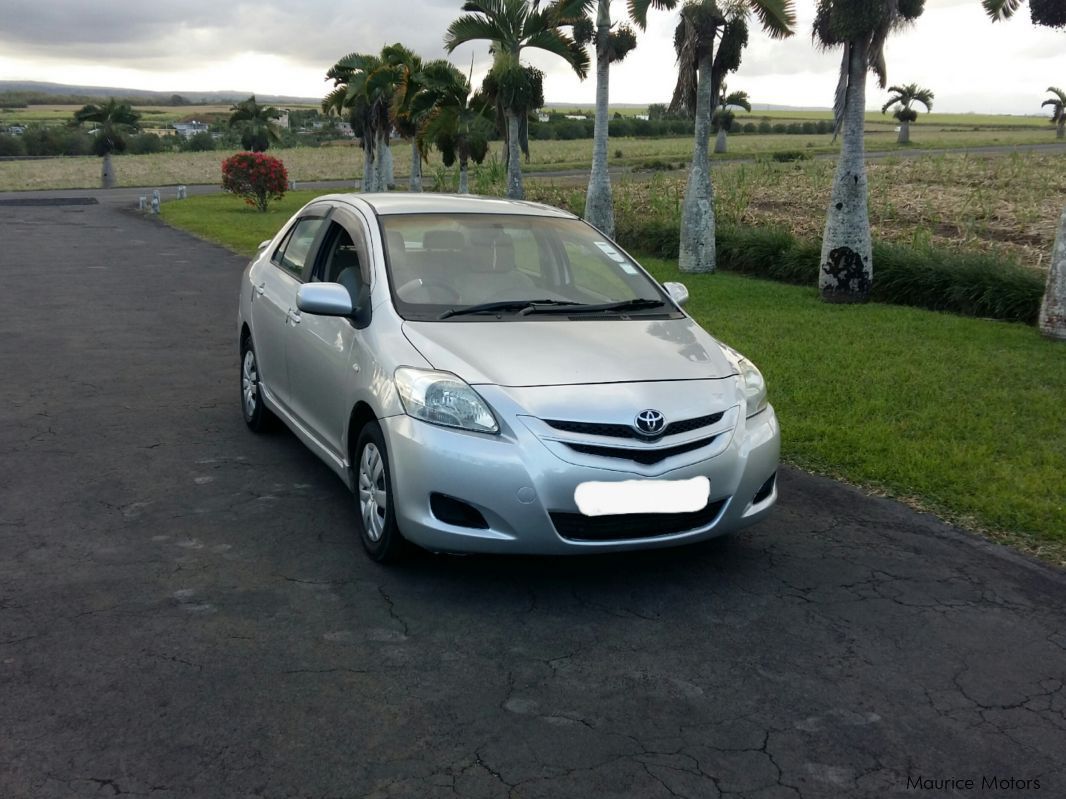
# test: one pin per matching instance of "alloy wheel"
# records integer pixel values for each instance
(373, 496)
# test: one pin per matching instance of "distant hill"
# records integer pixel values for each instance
(38, 93)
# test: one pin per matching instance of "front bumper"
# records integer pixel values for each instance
(516, 482)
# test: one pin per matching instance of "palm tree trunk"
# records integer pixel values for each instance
(380, 171)
(388, 172)
(719, 143)
(904, 132)
(368, 165)
(414, 182)
(107, 173)
(514, 166)
(1060, 132)
(464, 181)
(696, 250)
(1053, 308)
(847, 256)
(599, 209)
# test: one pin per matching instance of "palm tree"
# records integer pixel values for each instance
(512, 26)
(1050, 14)
(256, 124)
(1058, 110)
(846, 268)
(903, 97)
(404, 119)
(112, 120)
(532, 98)
(701, 69)
(363, 89)
(723, 117)
(454, 121)
(611, 46)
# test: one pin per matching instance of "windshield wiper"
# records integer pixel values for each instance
(523, 306)
(624, 305)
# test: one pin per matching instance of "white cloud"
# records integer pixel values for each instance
(274, 47)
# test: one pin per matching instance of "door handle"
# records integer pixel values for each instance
(294, 316)
(260, 288)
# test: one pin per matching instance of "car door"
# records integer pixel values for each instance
(326, 354)
(274, 301)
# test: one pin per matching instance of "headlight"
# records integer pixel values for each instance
(753, 386)
(442, 398)
(750, 379)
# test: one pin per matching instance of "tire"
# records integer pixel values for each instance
(257, 416)
(375, 519)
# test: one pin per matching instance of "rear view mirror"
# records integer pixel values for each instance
(324, 299)
(677, 291)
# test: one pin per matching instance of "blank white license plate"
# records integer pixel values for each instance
(642, 496)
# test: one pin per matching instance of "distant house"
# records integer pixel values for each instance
(16, 130)
(189, 129)
(542, 117)
(283, 120)
(581, 117)
(641, 116)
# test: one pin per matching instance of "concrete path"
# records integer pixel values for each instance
(185, 611)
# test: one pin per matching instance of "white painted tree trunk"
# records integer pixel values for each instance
(599, 206)
(515, 189)
(1053, 308)
(1060, 132)
(696, 250)
(382, 162)
(107, 172)
(904, 132)
(414, 182)
(847, 253)
(719, 142)
(464, 177)
(368, 171)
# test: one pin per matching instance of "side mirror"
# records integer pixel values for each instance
(677, 291)
(324, 299)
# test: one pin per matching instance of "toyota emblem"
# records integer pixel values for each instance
(650, 422)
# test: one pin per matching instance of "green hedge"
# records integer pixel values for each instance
(967, 284)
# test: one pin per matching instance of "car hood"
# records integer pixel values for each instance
(555, 353)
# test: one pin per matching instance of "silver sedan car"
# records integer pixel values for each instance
(497, 376)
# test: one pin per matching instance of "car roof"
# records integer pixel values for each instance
(429, 203)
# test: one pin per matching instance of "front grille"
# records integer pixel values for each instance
(625, 431)
(629, 526)
(645, 456)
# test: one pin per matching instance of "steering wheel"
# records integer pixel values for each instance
(429, 283)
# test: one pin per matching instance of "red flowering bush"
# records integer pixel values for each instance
(256, 177)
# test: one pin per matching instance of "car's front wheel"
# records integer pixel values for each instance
(374, 497)
(256, 415)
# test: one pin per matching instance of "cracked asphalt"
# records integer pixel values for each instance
(185, 611)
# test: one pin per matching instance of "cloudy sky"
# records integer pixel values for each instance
(284, 47)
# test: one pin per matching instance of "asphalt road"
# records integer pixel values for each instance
(185, 612)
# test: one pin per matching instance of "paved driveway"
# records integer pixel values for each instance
(184, 611)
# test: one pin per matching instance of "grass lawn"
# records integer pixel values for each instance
(960, 416)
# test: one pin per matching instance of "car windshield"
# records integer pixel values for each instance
(473, 267)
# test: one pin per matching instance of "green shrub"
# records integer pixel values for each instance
(11, 145)
(923, 277)
(784, 156)
(198, 143)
